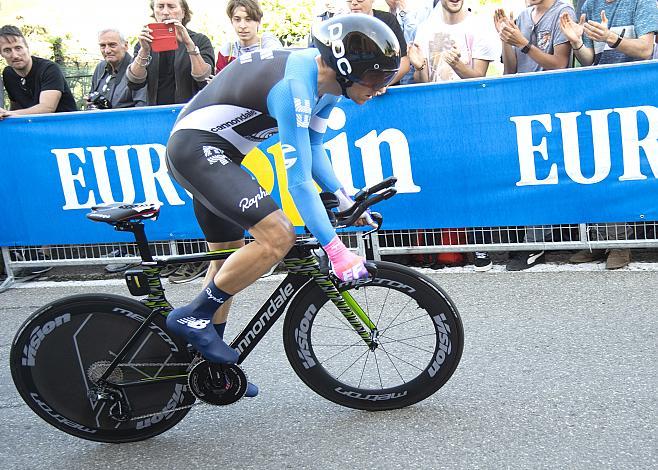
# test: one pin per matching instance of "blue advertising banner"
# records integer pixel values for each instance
(549, 148)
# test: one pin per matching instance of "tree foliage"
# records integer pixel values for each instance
(290, 22)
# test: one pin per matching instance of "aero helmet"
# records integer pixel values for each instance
(360, 48)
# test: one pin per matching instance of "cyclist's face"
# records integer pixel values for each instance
(361, 93)
(245, 26)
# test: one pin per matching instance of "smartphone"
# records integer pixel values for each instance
(164, 37)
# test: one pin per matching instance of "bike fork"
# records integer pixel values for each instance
(343, 301)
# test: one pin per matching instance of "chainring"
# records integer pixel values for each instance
(217, 384)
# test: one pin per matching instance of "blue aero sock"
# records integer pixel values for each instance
(192, 322)
(220, 328)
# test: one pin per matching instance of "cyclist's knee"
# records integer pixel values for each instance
(282, 240)
(275, 234)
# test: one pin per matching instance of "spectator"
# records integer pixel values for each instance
(365, 7)
(172, 76)
(611, 32)
(245, 16)
(409, 20)
(533, 43)
(452, 45)
(109, 83)
(329, 10)
(34, 86)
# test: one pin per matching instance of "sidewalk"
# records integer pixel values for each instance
(556, 261)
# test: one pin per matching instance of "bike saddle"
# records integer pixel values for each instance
(119, 212)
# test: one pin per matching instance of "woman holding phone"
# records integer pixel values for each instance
(173, 71)
(174, 64)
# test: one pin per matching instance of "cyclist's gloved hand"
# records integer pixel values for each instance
(345, 264)
(345, 202)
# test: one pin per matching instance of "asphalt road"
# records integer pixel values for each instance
(558, 371)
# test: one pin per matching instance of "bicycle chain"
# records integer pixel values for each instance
(157, 364)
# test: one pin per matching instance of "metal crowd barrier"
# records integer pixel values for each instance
(393, 242)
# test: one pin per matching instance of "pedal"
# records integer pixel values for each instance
(217, 384)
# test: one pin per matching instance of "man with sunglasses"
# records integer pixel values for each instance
(260, 94)
(34, 85)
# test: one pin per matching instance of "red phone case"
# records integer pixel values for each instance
(164, 37)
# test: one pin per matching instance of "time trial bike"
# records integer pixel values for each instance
(104, 367)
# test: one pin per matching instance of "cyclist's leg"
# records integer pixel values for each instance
(220, 234)
(273, 238)
(209, 167)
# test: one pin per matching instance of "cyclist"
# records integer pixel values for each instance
(256, 96)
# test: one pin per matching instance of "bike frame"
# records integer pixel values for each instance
(302, 266)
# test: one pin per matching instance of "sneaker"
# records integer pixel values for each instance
(24, 273)
(618, 258)
(189, 271)
(482, 261)
(524, 259)
(587, 256)
(169, 270)
(118, 267)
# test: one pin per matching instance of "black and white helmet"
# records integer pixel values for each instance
(360, 48)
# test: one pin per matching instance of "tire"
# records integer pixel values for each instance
(421, 337)
(64, 344)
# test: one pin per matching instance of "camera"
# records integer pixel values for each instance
(96, 100)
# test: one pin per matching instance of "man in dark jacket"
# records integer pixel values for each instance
(109, 84)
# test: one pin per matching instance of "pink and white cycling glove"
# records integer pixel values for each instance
(345, 265)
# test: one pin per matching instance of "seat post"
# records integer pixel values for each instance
(137, 228)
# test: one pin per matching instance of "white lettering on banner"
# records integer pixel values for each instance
(370, 155)
(67, 159)
(68, 178)
(400, 159)
(527, 150)
(599, 122)
(161, 175)
(571, 150)
(632, 143)
(103, 178)
(89, 181)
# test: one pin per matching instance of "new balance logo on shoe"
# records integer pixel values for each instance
(196, 323)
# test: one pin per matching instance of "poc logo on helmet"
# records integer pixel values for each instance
(338, 48)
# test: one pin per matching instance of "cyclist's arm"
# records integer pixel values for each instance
(290, 103)
(322, 170)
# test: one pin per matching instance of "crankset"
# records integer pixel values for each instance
(217, 384)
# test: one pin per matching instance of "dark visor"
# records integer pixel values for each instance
(376, 79)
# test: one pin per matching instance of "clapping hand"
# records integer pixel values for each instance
(596, 31)
(572, 30)
(509, 32)
(452, 56)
